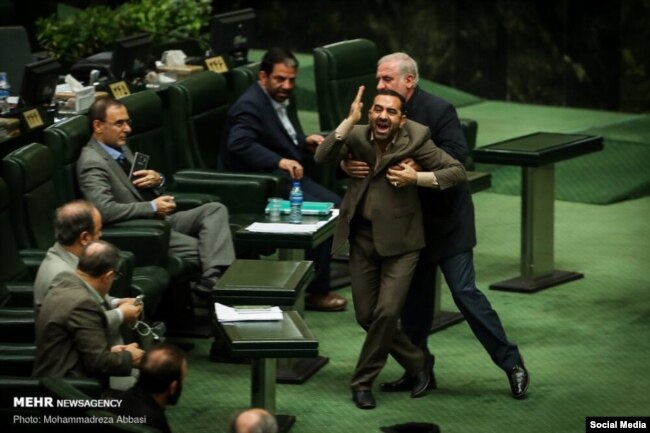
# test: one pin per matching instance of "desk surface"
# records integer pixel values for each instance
(538, 149)
(303, 241)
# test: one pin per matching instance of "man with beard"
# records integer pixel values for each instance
(260, 137)
(162, 372)
(382, 220)
(450, 234)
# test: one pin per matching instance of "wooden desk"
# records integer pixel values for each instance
(291, 247)
(536, 154)
(264, 342)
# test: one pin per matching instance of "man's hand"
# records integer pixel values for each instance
(402, 175)
(136, 354)
(313, 141)
(165, 205)
(356, 107)
(355, 168)
(130, 311)
(411, 163)
(146, 179)
(292, 167)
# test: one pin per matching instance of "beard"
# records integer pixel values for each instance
(173, 398)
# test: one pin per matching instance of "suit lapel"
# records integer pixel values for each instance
(397, 152)
(115, 169)
(271, 113)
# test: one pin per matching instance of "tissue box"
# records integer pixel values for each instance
(181, 71)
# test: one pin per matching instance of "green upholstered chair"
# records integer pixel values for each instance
(339, 70)
(17, 359)
(33, 201)
(196, 110)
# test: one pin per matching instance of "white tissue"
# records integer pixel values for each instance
(75, 85)
(174, 58)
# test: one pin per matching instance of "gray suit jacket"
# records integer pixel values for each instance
(57, 264)
(72, 336)
(103, 182)
(395, 212)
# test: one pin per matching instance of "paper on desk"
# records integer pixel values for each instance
(228, 314)
(291, 228)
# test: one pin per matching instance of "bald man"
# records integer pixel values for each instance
(253, 420)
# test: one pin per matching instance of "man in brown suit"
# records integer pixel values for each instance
(382, 220)
(72, 334)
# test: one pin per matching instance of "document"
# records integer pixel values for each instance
(242, 314)
(291, 228)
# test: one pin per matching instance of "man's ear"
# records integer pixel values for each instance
(402, 120)
(261, 75)
(97, 126)
(173, 387)
(85, 238)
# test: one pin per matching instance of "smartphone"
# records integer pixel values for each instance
(140, 162)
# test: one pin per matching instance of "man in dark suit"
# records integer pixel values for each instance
(260, 137)
(162, 372)
(382, 220)
(200, 235)
(72, 335)
(450, 233)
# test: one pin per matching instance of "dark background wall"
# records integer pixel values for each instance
(579, 53)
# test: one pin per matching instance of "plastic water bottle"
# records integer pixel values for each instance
(4, 92)
(295, 199)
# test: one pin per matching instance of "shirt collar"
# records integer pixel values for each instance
(114, 153)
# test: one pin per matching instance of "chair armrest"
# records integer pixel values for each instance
(21, 294)
(190, 200)
(240, 192)
(149, 245)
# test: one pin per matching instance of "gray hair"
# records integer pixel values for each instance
(405, 64)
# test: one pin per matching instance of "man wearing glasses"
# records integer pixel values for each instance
(72, 335)
(200, 235)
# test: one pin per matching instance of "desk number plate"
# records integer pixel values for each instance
(216, 64)
(119, 89)
(33, 118)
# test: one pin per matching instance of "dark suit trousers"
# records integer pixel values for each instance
(379, 288)
(458, 270)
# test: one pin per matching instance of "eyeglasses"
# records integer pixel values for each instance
(120, 123)
(117, 275)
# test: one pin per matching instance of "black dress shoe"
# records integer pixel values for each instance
(405, 383)
(420, 383)
(518, 378)
(364, 399)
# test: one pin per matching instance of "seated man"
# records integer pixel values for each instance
(160, 383)
(261, 138)
(77, 224)
(200, 235)
(72, 335)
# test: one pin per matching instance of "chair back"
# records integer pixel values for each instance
(149, 134)
(339, 70)
(66, 139)
(29, 173)
(198, 107)
(12, 267)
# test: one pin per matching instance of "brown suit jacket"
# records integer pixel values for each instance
(395, 212)
(72, 335)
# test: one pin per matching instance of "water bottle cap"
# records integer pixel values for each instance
(296, 183)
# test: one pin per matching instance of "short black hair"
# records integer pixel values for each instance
(72, 219)
(97, 110)
(277, 55)
(99, 257)
(160, 366)
(398, 95)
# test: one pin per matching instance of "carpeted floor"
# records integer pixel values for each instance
(586, 343)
